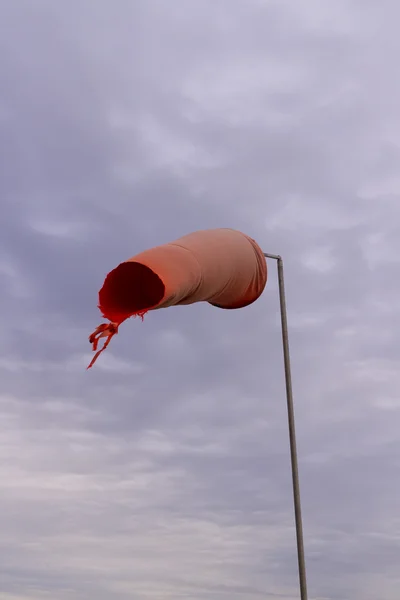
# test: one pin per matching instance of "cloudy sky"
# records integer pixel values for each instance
(163, 473)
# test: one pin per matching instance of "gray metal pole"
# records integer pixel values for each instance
(292, 429)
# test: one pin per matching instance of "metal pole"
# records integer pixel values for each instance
(292, 429)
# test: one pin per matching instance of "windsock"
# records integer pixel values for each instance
(221, 266)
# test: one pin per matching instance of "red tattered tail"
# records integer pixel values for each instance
(107, 330)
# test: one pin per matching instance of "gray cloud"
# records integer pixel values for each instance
(164, 472)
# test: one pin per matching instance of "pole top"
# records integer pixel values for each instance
(274, 256)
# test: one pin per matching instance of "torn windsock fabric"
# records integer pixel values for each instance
(221, 266)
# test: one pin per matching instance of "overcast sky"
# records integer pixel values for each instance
(163, 473)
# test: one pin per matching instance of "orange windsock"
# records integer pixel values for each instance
(221, 266)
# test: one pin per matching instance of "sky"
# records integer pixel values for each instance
(163, 473)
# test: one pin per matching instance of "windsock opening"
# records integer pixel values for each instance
(130, 289)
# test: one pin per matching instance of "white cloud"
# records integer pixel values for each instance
(164, 472)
